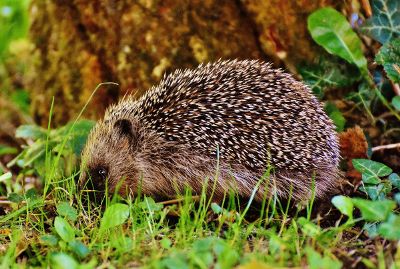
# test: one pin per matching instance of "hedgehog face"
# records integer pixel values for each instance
(107, 159)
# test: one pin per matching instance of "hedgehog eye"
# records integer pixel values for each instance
(102, 173)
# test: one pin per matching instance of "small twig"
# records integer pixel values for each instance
(396, 88)
(175, 201)
(389, 146)
(367, 8)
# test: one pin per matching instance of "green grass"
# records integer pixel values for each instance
(61, 230)
(55, 225)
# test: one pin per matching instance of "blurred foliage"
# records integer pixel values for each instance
(328, 73)
(344, 67)
(66, 142)
(15, 57)
(13, 22)
(331, 30)
(336, 116)
(379, 211)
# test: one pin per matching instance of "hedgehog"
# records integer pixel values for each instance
(231, 125)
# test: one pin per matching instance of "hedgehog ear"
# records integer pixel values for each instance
(124, 127)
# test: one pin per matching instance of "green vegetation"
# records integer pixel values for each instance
(45, 221)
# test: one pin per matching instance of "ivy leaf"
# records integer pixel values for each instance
(371, 229)
(391, 228)
(396, 197)
(384, 25)
(377, 192)
(389, 57)
(371, 170)
(331, 30)
(374, 210)
(395, 180)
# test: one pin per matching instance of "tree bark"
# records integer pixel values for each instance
(79, 44)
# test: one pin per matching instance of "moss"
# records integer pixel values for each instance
(79, 44)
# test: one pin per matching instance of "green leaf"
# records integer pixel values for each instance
(77, 134)
(371, 170)
(30, 131)
(344, 204)
(330, 29)
(49, 240)
(15, 198)
(384, 25)
(363, 97)
(336, 116)
(216, 208)
(63, 261)
(31, 194)
(114, 215)
(203, 252)
(7, 150)
(227, 256)
(328, 73)
(79, 248)
(14, 23)
(391, 228)
(377, 192)
(397, 198)
(166, 243)
(5, 177)
(316, 261)
(21, 99)
(65, 210)
(374, 210)
(396, 102)
(371, 229)
(64, 229)
(177, 261)
(149, 205)
(308, 227)
(389, 57)
(395, 180)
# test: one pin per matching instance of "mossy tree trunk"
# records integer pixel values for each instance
(79, 44)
